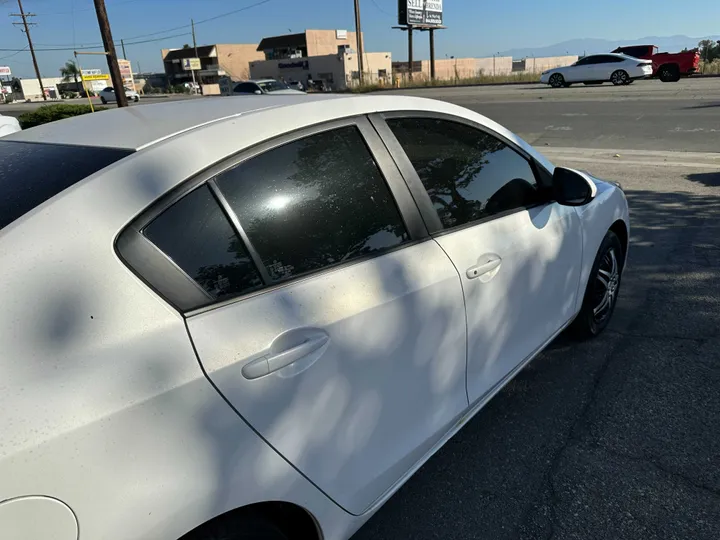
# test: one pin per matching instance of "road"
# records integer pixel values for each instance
(617, 438)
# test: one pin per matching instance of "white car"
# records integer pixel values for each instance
(8, 125)
(107, 95)
(264, 86)
(599, 68)
(241, 319)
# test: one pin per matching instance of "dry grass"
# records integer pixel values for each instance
(711, 68)
(420, 81)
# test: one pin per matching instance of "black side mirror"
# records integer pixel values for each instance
(572, 188)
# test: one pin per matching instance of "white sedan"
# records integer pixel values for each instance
(599, 68)
(8, 125)
(234, 319)
(264, 86)
(107, 95)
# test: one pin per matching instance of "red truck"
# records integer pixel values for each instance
(668, 67)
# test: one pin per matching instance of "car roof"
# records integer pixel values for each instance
(140, 126)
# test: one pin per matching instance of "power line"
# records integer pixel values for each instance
(97, 46)
(381, 9)
(13, 54)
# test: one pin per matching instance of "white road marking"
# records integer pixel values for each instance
(558, 128)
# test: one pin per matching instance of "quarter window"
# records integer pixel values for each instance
(198, 237)
(313, 203)
(468, 174)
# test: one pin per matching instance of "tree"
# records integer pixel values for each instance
(709, 50)
(70, 72)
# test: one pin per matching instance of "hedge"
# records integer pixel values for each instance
(50, 113)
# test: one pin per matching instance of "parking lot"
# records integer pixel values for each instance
(618, 438)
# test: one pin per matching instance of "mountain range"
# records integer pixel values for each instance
(592, 46)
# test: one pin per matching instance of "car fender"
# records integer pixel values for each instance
(607, 207)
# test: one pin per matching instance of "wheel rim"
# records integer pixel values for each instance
(556, 80)
(607, 284)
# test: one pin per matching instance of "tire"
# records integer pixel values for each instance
(103, 101)
(602, 289)
(136, 99)
(619, 77)
(557, 80)
(669, 73)
(241, 528)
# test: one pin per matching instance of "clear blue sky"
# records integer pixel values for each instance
(476, 27)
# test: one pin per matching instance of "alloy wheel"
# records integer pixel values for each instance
(607, 284)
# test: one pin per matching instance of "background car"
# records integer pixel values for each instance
(597, 69)
(257, 322)
(296, 85)
(8, 125)
(264, 86)
(107, 95)
(668, 67)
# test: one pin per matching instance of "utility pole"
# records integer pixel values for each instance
(122, 42)
(110, 53)
(358, 35)
(192, 24)
(24, 16)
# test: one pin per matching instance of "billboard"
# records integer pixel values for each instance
(87, 72)
(126, 73)
(420, 12)
(98, 77)
(5, 70)
(191, 64)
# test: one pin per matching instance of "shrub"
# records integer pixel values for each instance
(51, 113)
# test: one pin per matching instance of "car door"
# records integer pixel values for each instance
(326, 315)
(604, 66)
(580, 71)
(517, 252)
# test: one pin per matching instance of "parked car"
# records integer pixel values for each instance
(618, 69)
(296, 85)
(264, 86)
(8, 125)
(258, 322)
(107, 95)
(668, 67)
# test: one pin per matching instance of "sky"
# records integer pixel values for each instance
(475, 27)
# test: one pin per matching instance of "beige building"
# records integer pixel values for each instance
(219, 60)
(337, 71)
(307, 44)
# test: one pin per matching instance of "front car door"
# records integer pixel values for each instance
(517, 252)
(582, 70)
(325, 314)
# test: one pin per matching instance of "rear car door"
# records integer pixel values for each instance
(321, 309)
(517, 252)
(604, 66)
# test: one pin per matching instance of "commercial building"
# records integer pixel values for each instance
(29, 89)
(216, 61)
(329, 56)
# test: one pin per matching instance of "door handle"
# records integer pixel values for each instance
(268, 364)
(480, 269)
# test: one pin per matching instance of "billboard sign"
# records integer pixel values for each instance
(191, 64)
(98, 77)
(86, 72)
(5, 70)
(420, 12)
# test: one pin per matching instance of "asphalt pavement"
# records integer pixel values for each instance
(619, 437)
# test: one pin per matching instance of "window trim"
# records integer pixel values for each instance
(415, 185)
(159, 272)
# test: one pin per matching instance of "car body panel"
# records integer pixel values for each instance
(528, 297)
(110, 410)
(34, 518)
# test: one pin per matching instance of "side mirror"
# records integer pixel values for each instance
(258, 92)
(572, 188)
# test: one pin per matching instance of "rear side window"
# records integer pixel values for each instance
(246, 88)
(198, 237)
(313, 203)
(468, 174)
(32, 173)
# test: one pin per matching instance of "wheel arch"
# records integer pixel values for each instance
(289, 517)
(621, 231)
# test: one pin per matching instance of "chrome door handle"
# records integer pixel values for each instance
(268, 364)
(480, 269)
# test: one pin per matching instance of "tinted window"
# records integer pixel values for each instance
(246, 88)
(584, 61)
(607, 59)
(273, 86)
(197, 236)
(31, 173)
(314, 202)
(634, 51)
(468, 174)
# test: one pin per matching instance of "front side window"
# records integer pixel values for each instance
(246, 88)
(272, 86)
(198, 237)
(468, 174)
(313, 203)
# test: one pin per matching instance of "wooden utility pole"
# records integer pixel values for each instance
(24, 16)
(111, 54)
(199, 78)
(432, 53)
(410, 52)
(358, 35)
(122, 43)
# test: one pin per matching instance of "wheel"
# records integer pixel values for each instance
(619, 77)
(557, 80)
(669, 73)
(246, 528)
(602, 289)
(136, 99)
(103, 100)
